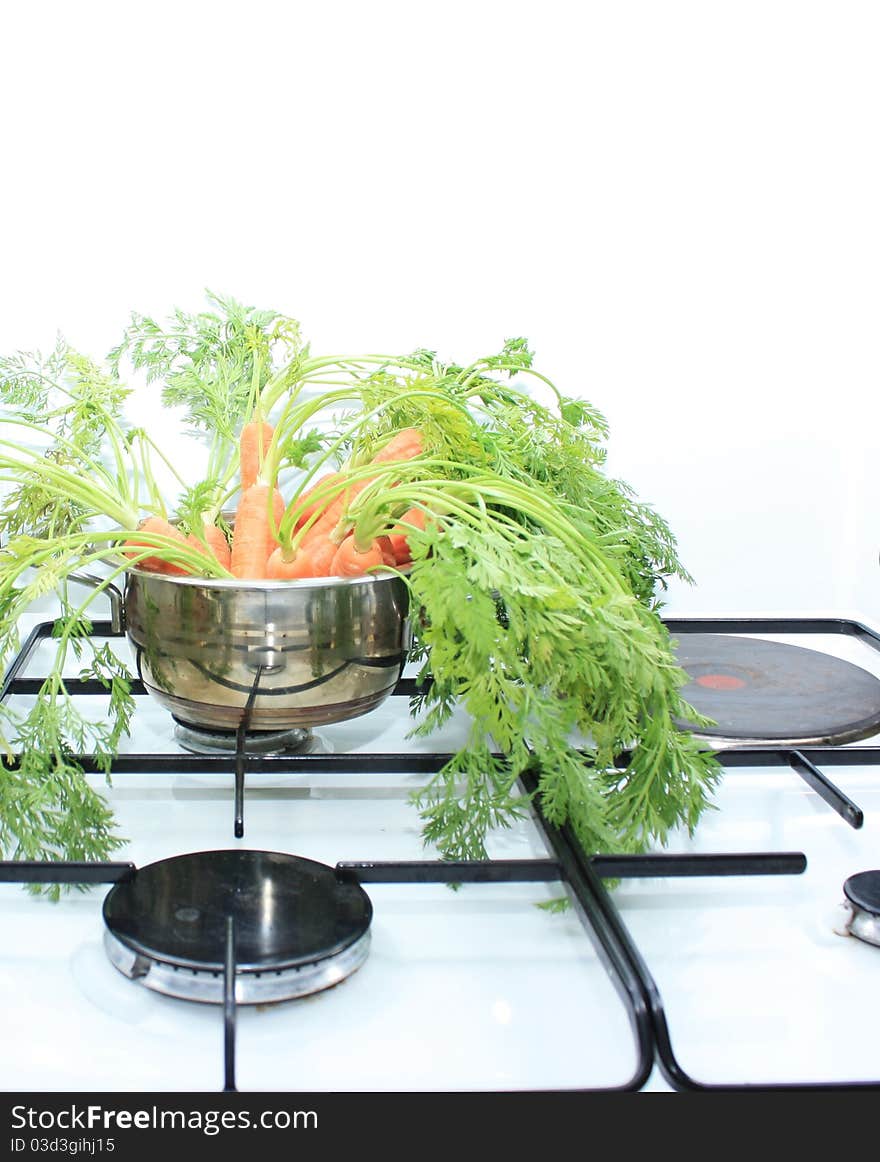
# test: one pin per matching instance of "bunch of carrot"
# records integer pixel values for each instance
(319, 545)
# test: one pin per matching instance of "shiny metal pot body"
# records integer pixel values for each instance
(273, 655)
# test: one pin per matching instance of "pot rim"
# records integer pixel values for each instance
(269, 584)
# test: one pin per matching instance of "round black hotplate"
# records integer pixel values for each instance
(757, 690)
(297, 927)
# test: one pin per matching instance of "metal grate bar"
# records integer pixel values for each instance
(491, 871)
(826, 790)
(772, 863)
(30, 871)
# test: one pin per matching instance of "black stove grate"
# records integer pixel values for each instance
(583, 875)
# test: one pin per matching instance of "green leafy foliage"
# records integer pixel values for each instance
(211, 364)
(536, 583)
(540, 649)
(48, 808)
(65, 404)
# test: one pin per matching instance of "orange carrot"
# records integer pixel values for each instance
(388, 554)
(329, 518)
(253, 539)
(253, 442)
(217, 543)
(218, 549)
(400, 533)
(312, 508)
(349, 562)
(404, 445)
(310, 560)
(163, 528)
(279, 568)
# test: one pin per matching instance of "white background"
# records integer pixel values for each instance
(677, 203)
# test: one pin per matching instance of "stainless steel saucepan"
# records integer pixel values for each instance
(268, 656)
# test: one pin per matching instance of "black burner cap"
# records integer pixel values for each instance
(863, 891)
(287, 911)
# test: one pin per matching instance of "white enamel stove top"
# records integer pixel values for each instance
(478, 988)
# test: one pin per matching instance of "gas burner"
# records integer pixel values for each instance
(756, 690)
(297, 927)
(862, 893)
(200, 740)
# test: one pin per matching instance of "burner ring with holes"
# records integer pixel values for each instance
(862, 893)
(216, 740)
(298, 928)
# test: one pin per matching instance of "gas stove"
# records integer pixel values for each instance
(743, 956)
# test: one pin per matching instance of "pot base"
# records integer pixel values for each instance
(202, 740)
